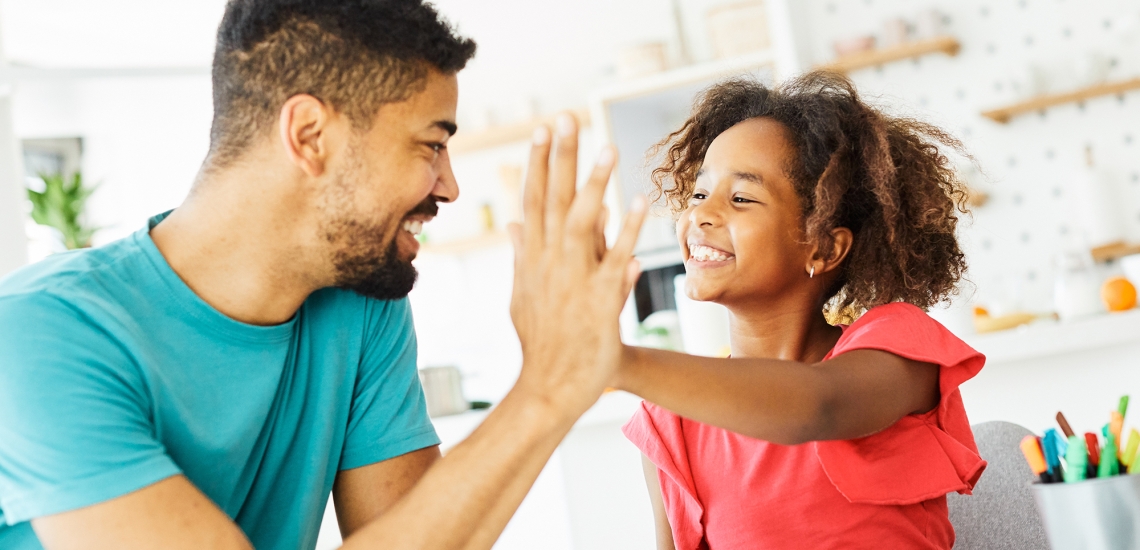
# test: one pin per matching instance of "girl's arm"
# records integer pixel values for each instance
(786, 402)
(660, 520)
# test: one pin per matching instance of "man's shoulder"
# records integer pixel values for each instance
(76, 271)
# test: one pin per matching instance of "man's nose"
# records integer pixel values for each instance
(446, 188)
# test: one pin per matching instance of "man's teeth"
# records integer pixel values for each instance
(413, 227)
(707, 254)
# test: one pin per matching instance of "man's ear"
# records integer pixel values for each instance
(841, 241)
(304, 124)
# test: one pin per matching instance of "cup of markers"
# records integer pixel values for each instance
(1085, 496)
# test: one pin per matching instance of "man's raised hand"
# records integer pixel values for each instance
(568, 290)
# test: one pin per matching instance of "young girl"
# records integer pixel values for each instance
(798, 205)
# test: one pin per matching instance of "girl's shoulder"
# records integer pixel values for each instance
(906, 330)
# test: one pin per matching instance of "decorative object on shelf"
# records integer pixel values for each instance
(443, 390)
(874, 57)
(1076, 287)
(1096, 204)
(738, 29)
(896, 32)
(984, 322)
(61, 206)
(855, 45)
(506, 135)
(1118, 294)
(1130, 264)
(929, 23)
(1005, 114)
(641, 60)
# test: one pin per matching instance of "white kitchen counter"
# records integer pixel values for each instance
(1048, 338)
(1080, 368)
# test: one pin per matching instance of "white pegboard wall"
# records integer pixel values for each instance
(1012, 240)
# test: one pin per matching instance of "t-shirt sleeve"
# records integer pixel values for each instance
(388, 417)
(75, 422)
(921, 456)
(659, 435)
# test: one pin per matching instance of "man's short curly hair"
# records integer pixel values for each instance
(883, 177)
(355, 55)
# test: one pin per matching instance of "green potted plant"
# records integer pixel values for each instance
(60, 205)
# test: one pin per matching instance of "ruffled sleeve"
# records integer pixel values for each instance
(920, 457)
(658, 434)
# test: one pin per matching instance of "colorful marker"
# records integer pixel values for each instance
(1116, 425)
(1093, 445)
(1131, 448)
(1032, 451)
(1108, 466)
(1122, 408)
(1076, 460)
(1064, 423)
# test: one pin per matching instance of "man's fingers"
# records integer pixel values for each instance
(591, 198)
(563, 177)
(534, 192)
(600, 233)
(618, 256)
(632, 274)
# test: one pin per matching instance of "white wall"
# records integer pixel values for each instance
(13, 241)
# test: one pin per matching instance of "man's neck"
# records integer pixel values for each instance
(242, 242)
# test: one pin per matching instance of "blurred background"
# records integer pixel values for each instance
(1045, 94)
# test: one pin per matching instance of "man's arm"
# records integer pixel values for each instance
(171, 514)
(365, 493)
(566, 302)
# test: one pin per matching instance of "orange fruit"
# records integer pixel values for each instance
(1118, 294)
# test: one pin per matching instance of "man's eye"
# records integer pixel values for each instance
(437, 147)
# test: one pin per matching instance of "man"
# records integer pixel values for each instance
(208, 381)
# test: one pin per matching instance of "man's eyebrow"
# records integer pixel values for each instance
(446, 125)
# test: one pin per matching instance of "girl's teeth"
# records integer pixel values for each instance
(413, 227)
(707, 254)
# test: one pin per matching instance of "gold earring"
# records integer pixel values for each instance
(811, 274)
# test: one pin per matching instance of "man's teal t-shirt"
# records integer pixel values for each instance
(114, 375)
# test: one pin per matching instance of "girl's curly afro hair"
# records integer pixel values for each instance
(883, 177)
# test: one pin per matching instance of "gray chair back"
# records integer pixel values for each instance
(1001, 514)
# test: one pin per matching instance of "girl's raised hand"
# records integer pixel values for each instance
(568, 289)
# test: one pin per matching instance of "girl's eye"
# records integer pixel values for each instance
(741, 200)
(699, 196)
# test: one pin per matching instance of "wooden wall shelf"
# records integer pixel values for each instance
(873, 58)
(462, 246)
(1114, 251)
(505, 135)
(1004, 114)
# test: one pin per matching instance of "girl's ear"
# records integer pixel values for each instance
(841, 241)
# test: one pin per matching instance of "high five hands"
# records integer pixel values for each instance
(569, 288)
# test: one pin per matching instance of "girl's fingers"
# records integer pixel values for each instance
(618, 257)
(534, 192)
(564, 178)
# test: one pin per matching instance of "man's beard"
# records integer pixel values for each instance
(367, 265)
